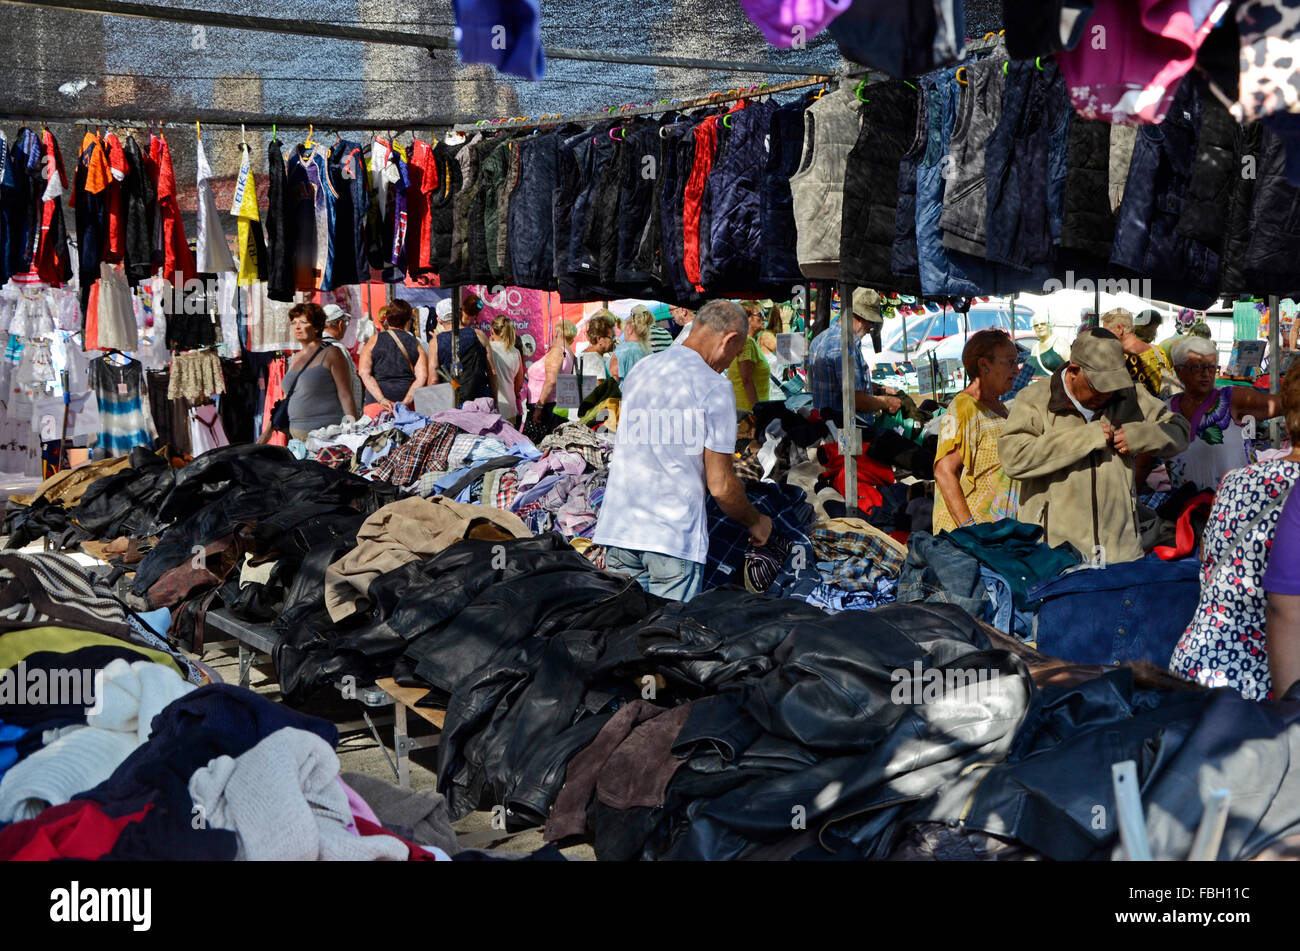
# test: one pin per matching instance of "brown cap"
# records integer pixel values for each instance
(1101, 356)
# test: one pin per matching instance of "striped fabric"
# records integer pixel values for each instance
(42, 588)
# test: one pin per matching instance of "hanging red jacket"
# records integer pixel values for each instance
(706, 150)
(423, 171)
(178, 259)
(706, 146)
(52, 261)
(115, 246)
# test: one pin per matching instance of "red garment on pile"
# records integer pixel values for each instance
(423, 172)
(177, 256)
(1185, 539)
(417, 854)
(74, 830)
(870, 474)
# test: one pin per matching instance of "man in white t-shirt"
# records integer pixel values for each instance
(676, 439)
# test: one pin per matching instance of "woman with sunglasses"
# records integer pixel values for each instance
(973, 487)
(1219, 440)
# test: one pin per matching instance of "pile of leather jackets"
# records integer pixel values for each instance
(740, 726)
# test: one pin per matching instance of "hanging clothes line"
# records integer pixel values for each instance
(337, 31)
(649, 109)
(226, 119)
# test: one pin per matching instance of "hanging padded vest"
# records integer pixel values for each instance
(962, 219)
(1025, 166)
(870, 202)
(1181, 271)
(441, 208)
(1088, 226)
(830, 131)
(1271, 264)
(903, 263)
(735, 224)
(636, 196)
(944, 273)
(778, 257)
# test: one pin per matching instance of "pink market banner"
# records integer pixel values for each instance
(531, 311)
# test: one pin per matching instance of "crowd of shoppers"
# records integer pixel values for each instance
(1071, 452)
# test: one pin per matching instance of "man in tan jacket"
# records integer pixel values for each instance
(1073, 440)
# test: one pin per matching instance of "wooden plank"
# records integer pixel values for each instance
(409, 697)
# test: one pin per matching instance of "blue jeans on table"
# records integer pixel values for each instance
(673, 578)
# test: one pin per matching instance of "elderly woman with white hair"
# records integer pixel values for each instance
(1219, 439)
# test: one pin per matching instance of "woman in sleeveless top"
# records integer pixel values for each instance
(392, 363)
(541, 382)
(321, 387)
(507, 368)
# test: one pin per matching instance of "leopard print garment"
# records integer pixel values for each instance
(1270, 58)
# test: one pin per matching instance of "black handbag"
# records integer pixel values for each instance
(280, 411)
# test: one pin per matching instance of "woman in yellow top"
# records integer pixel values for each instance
(1147, 365)
(748, 373)
(973, 487)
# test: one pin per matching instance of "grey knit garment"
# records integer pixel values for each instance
(831, 126)
(283, 801)
(419, 817)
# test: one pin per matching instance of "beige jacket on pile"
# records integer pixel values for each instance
(1074, 485)
(405, 531)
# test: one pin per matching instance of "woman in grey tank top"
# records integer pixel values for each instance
(322, 387)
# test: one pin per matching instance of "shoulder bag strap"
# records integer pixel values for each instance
(401, 349)
(1244, 533)
(294, 385)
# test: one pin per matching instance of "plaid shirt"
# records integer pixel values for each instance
(336, 457)
(574, 437)
(823, 365)
(859, 559)
(785, 505)
(428, 449)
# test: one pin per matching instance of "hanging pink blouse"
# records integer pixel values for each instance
(1132, 57)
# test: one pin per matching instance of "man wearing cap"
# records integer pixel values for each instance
(1073, 440)
(825, 371)
(336, 326)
